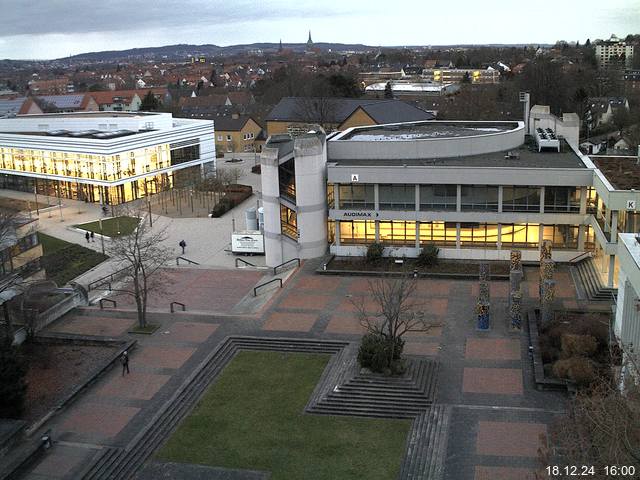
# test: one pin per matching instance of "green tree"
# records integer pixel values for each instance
(388, 91)
(13, 386)
(149, 103)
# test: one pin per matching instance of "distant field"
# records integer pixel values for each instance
(252, 418)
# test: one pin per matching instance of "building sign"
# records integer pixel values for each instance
(631, 204)
(355, 177)
(247, 242)
(360, 214)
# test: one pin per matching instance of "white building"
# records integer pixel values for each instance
(103, 157)
(609, 51)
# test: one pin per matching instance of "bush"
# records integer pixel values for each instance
(256, 169)
(374, 354)
(428, 256)
(577, 369)
(578, 345)
(223, 206)
(374, 253)
(13, 386)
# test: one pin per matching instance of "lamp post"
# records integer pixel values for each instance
(101, 234)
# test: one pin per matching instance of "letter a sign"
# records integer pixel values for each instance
(355, 177)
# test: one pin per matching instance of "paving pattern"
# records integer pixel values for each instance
(496, 416)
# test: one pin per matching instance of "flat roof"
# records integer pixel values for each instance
(426, 130)
(96, 134)
(623, 173)
(526, 156)
(91, 114)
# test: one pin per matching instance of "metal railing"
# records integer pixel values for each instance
(108, 279)
(583, 254)
(186, 260)
(171, 306)
(275, 269)
(102, 300)
(244, 261)
(255, 289)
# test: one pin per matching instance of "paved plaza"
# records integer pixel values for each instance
(498, 417)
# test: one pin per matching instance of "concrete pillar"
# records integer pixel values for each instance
(269, 178)
(607, 221)
(541, 202)
(418, 235)
(612, 268)
(417, 198)
(500, 190)
(336, 195)
(614, 226)
(458, 242)
(458, 199)
(499, 236)
(581, 236)
(583, 200)
(337, 234)
(376, 200)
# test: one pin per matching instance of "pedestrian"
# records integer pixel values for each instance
(86, 235)
(124, 360)
(93, 237)
(183, 244)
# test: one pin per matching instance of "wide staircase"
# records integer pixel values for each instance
(592, 285)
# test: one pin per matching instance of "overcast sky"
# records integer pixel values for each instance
(44, 29)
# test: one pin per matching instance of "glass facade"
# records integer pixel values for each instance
(520, 199)
(562, 199)
(438, 233)
(562, 236)
(480, 198)
(357, 232)
(438, 197)
(479, 235)
(397, 233)
(357, 197)
(288, 222)
(287, 176)
(397, 197)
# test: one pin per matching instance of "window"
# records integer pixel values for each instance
(330, 197)
(185, 154)
(397, 233)
(480, 197)
(520, 235)
(357, 232)
(592, 200)
(397, 197)
(357, 196)
(229, 138)
(287, 176)
(219, 138)
(473, 235)
(520, 199)
(589, 240)
(288, 222)
(438, 197)
(438, 233)
(562, 236)
(562, 199)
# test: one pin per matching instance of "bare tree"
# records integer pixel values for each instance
(9, 220)
(602, 426)
(231, 175)
(398, 311)
(318, 110)
(143, 255)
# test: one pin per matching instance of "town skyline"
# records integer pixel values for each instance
(47, 30)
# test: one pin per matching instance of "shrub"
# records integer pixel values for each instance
(374, 353)
(223, 206)
(578, 345)
(577, 369)
(256, 169)
(428, 256)
(13, 386)
(374, 253)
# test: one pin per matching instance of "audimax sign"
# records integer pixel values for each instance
(360, 214)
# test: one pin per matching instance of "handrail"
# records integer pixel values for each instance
(101, 280)
(107, 300)
(186, 260)
(255, 289)
(244, 261)
(574, 259)
(285, 263)
(184, 308)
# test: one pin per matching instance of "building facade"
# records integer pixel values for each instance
(614, 53)
(109, 158)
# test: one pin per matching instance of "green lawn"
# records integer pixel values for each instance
(64, 261)
(252, 418)
(112, 227)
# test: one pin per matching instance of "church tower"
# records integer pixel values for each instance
(309, 42)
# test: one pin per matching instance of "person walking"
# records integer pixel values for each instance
(183, 244)
(124, 360)
(93, 237)
(86, 235)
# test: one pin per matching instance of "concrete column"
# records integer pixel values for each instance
(607, 221)
(458, 243)
(500, 199)
(458, 200)
(376, 201)
(417, 198)
(614, 226)
(377, 223)
(583, 200)
(337, 234)
(499, 236)
(540, 236)
(612, 268)
(581, 236)
(269, 178)
(418, 235)
(541, 200)
(336, 195)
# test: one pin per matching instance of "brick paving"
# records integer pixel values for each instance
(89, 325)
(497, 414)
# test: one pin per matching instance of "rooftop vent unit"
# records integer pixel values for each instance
(546, 138)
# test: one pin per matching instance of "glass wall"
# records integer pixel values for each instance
(562, 236)
(480, 198)
(397, 233)
(397, 197)
(438, 233)
(287, 177)
(520, 235)
(438, 197)
(479, 235)
(357, 232)
(288, 222)
(357, 196)
(520, 199)
(562, 199)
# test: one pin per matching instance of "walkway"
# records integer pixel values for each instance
(497, 414)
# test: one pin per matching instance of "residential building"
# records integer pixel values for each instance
(106, 157)
(18, 106)
(614, 53)
(632, 82)
(459, 75)
(56, 86)
(475, 189)
(236, 134)
(603, 108)
(298, 114)
(20, 251)
(127, 100)
(413, 89)
(81, 102)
